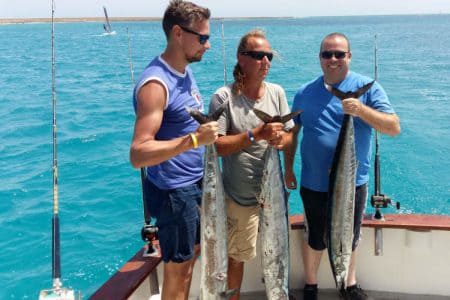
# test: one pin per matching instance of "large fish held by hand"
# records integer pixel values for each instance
(213, 228)
(341, 193)
(274, 225)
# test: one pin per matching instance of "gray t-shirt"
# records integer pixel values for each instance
(242, 171)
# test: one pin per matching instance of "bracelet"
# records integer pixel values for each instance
(250, 135)
(194, 140)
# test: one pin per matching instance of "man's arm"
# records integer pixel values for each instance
(380, 121)
(145, 150)
(229, 144)
(289, 155)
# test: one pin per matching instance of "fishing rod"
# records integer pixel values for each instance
(378, 200)
(149, 232)
(57, 292)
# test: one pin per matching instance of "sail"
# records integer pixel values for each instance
(107, 25)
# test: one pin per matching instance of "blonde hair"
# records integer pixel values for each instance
(238, 75)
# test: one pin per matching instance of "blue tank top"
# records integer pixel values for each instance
(182, 91)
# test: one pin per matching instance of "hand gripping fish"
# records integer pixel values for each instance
(274, 225)
(213, 228)
(341, 194)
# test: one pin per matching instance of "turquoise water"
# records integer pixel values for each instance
(100, 204)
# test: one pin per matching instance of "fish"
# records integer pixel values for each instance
(341, 194)
(274, 225)
(213, 226)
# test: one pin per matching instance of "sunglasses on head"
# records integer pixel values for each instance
(329, 54)
(202, 38)
(258, 55)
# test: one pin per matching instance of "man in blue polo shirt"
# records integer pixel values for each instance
(170, 143)
(321, 121)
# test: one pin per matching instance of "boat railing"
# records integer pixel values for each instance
(139, 268)
(126, 280)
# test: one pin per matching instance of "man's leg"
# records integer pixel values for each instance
(191, 271)
(235, 275)
(351, 279)
(179, 235)
(354, 291)
(311, 262)
(177, 280)
(243, 222)
(360, 207)
(313, 244)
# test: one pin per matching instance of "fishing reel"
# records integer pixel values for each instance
(149, 234)
(382, 201)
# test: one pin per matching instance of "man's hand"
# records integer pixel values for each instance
(207, 133)
(269, 131)
(290, 180)
(352, 106)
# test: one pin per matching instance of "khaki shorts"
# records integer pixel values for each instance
(243, 224)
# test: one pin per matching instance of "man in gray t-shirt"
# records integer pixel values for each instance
(243, 139)
(242, 170)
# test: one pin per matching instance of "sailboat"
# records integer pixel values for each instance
(107, 25)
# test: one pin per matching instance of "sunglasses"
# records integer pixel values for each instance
(329, 54)
(202, 38)
(258, 55)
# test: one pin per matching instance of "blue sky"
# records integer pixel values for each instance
(223, 8)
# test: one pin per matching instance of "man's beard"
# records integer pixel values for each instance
(194, 58)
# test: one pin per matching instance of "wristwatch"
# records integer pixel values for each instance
(250, 135)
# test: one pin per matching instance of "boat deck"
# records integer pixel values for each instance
(331, 294)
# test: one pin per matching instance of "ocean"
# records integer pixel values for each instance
(99, 192)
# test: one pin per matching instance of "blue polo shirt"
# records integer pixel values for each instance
(321, 120)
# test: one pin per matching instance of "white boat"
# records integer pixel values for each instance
(107, 25)
(415, 264)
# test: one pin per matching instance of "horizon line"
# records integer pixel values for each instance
(146, 19)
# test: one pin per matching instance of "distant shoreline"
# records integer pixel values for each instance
(112, 19)
(150, 19)
(75, 20)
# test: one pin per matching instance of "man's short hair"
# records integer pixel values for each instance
(333, 34)
(183, 13)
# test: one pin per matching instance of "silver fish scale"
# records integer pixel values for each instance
(274, 231)
(214, 260)
(342, 204)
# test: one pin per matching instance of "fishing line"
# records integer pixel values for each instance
(224, 57)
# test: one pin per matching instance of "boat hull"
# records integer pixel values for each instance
(415, 250)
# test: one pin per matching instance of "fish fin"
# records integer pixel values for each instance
(215, 115)
(336, 92)
(266, 118)
(197, 115)
(359, 92)
(290, 116)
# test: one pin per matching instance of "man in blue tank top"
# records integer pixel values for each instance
(169, 143)
(321, 121)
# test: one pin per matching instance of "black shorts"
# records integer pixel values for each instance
(177, 213)
(315, 207)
